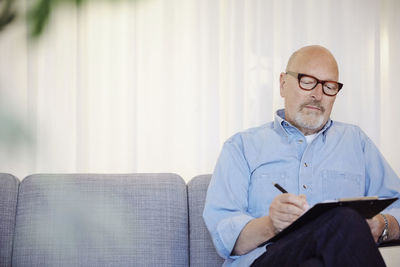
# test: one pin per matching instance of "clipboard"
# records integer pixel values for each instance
(367, 207)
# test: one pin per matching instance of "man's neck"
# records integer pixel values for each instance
(308, 131)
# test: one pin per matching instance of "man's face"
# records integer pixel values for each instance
(308, 110)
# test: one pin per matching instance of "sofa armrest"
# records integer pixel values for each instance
(391, 253)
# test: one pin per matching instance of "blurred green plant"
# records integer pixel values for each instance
(13, 132)
(38, 14)
(7, 13)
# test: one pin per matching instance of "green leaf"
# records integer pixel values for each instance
(39, 17)
(7, 14)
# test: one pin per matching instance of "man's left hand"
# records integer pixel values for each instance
(376, 224)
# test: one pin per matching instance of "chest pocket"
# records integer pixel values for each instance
(262, 191)
(337, 184)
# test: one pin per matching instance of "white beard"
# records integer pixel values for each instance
(308, 121)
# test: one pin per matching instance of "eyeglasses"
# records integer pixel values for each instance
(308, 82)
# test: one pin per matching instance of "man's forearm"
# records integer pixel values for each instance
(253, 234)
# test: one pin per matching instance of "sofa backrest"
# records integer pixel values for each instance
(202, 251)
(8, 203)
(102, 220)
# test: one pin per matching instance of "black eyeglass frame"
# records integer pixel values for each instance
(300, 75)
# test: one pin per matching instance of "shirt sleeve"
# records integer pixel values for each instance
(381, 180)
(225, 212)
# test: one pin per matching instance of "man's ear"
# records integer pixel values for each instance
(282, 83)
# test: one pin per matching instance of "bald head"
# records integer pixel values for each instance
(306, 56)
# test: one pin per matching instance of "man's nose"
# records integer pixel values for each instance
(317, 92)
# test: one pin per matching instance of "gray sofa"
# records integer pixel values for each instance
(108, 220)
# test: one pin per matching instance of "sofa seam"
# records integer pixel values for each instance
(188, 221)
(15, 220)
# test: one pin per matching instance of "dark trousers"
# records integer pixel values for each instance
(340, 237)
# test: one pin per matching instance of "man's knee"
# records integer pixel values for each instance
(345, 212)
(348, 219)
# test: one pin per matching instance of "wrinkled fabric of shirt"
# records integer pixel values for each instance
(340, 162)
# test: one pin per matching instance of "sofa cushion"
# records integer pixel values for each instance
(202, 251)
(102, 220)
(8, 203)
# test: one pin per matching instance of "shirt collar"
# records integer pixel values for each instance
(284, 127)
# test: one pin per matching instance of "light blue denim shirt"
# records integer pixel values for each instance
(340, 162)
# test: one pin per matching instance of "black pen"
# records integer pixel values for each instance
(280, 188)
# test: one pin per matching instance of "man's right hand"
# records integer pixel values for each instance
(285, 209)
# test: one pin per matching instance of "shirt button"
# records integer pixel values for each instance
(300, 141)
(304, 186)
(305, 164)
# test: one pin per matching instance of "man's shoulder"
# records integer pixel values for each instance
(343, 126)
(347, 129)
(252, 133)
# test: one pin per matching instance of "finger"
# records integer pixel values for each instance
(306, 206)
(298, 201)
(286, 217)
(288, 208)
(286, 212)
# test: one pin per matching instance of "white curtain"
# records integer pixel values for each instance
(158, 86)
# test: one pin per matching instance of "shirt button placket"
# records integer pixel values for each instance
(305, 173)
(305, 187)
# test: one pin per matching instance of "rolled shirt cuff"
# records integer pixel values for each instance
(228, 231)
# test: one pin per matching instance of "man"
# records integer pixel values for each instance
(314, 159)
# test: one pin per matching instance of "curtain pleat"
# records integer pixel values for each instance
(158, 86)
